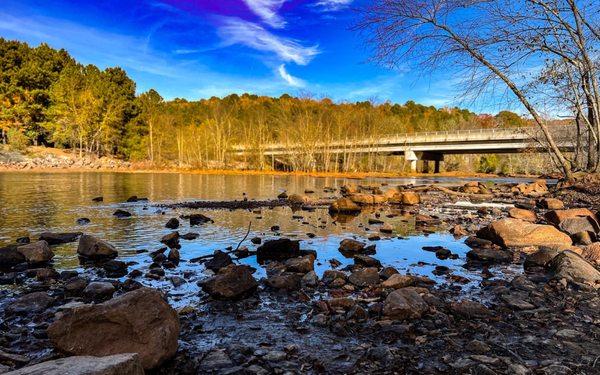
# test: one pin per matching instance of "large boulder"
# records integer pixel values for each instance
(410, 198)
(118, 364)
(573, 267)
(551, 204)
(519, 233)
(36, 252)
(405, 303)
(139, 322)
(232, 282)
(30, 303)
(279, 249)
(344, 206)
(59, 238)
(575, 225)
(540, 258)
(94, 248)
(558, 216)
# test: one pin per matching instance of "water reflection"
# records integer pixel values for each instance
(31, 203)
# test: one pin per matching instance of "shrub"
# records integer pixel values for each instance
(17, 140)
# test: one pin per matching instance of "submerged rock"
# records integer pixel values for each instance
(218, 261)
(519, 233)
(9, 256)
(93, 248)
(232, 282)
(173, 223)
(171, 240)
(139, 322)
(30, 303)
(121, 213)
(118, 364)
(198, 219)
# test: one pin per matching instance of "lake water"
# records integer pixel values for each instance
(32, 203)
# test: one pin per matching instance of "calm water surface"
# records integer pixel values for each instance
(31, 203)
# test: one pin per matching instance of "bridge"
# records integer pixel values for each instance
(431, 146)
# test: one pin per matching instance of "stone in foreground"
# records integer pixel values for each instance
(119, 364)
(574, 268)
(232, 282)
(136, 322)
(279, 249)
(36, 252)
(405, 303)
(519, 233)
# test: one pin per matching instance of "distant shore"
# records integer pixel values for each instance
(49, 160)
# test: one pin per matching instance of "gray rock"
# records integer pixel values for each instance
(94, 248)
(36, 252)
(119, 364)
(405, 303)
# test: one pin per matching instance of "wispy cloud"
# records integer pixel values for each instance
(267, 11)
(333, 5)
(237, 31)
(290, 79)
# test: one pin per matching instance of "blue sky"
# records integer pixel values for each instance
(199, 48)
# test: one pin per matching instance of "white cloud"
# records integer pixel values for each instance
(237, 31)
(332, 5)
(267, 11)
(290, 79)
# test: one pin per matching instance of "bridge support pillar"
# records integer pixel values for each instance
(436, 157)
(412, 158)
(436, 169)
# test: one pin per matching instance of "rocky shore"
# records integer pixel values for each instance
(534, 307)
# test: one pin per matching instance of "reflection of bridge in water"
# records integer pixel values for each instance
(430, 146)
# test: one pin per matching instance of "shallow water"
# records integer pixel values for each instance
(31, 203)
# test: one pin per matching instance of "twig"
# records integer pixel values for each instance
(246, 236)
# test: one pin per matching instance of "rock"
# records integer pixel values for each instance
(171, 240)
(344, 206)
(398, 281)
(349, 189)
(591, 253)
(121, 214)
(284, 281)
(301, 265)
(519, 213)
(574, 225)
(387, 272)
(410, 198)
(216, 359)
(367, 199)
(83, 221)
(97, 199)
(487, 255)
(459, 231)
(190, 236)
(37, 252)
(519, 233)
(59, 238)
(282, 195)
(115, 268)
(279, 249)
(76, 285)
(341, 304)
(551, 204)
(574, 268)
(99, 290)
(173, 256)
(470, 309)
(405, 303)
(558, 216)
(173, 223)
(363, 277)
(298, 200)
(538, 187)
(118, 364)
(218, 261)
(9, 256)
(139, 322)
(540, 258)
(30, 303)
(232, 282)
(350, 247)
(309, 280)
(329, 276)
(583, 238)
(198, 219)
(94, 248)
(386, 228)
(366, 261)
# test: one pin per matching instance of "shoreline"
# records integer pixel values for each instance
(253, 172)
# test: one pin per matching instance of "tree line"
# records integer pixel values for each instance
(48, 98)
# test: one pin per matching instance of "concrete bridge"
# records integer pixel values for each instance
(431, 146)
